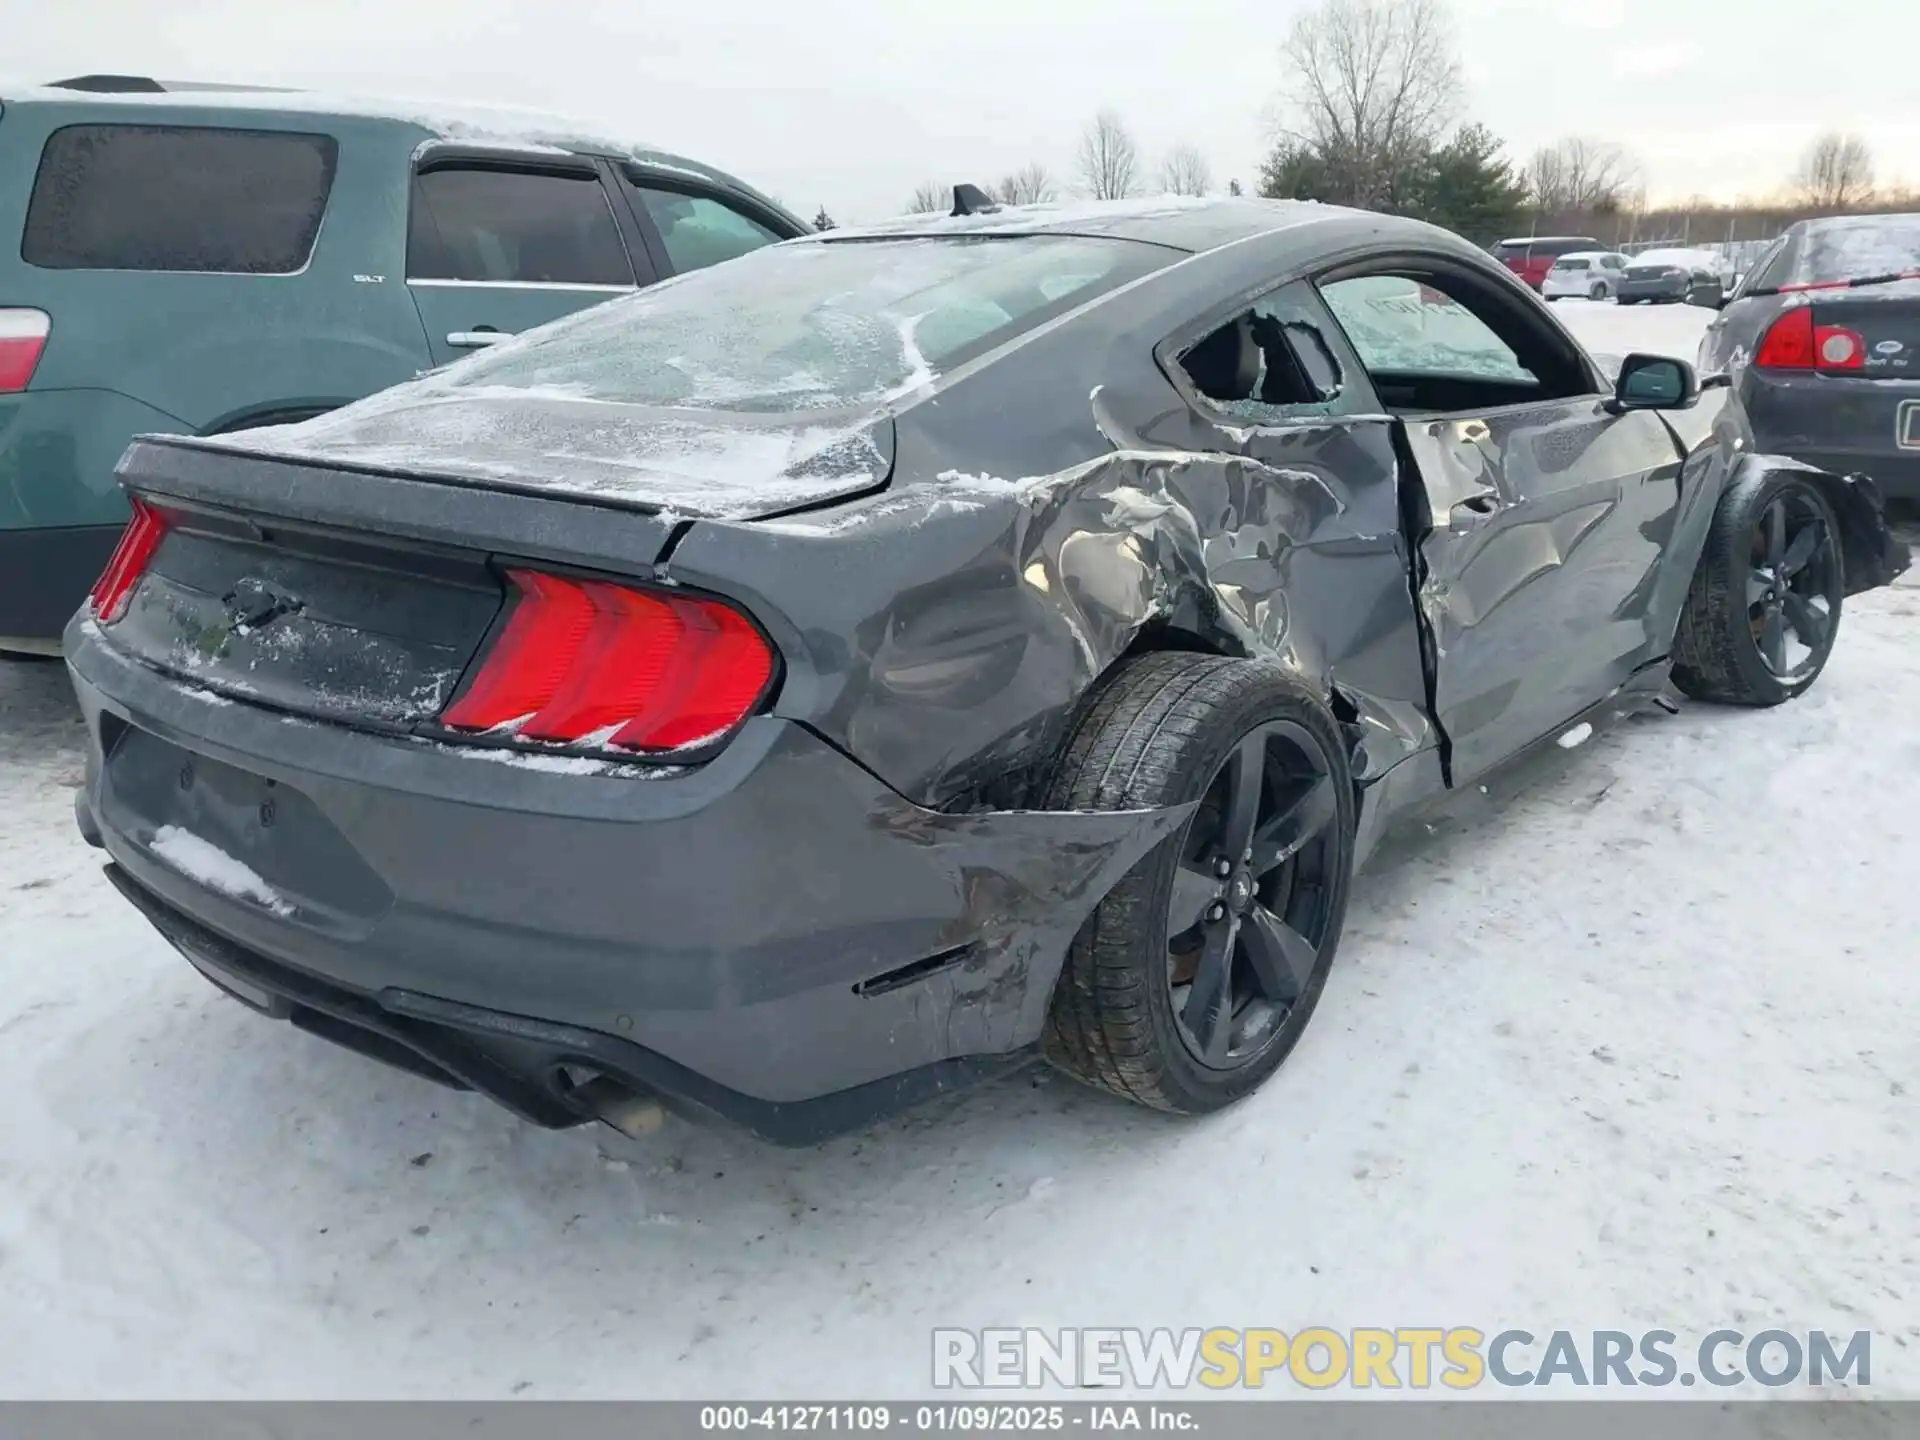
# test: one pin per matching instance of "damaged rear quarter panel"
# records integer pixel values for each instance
(1048, 512)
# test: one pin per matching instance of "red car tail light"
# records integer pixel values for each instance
(591, 661)
(1838, 348)
(138, 541)
(1794, 342)
(23, 335)
(1788, 343)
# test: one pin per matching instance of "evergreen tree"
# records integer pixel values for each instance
(1297, 171)
(823, 221)
(1467, 186)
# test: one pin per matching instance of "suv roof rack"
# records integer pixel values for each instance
(111, 84)
(147, 85)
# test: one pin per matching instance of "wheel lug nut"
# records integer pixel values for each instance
(1223, 868)
(1216, 911)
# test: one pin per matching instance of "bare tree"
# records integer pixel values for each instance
(1031, 184)
(1836, 173)
(1582, 175)
(1109, 160)
(1370, 85)
(930, 198)
(1185, 171)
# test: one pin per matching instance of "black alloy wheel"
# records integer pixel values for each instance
(1794, 585)
(1194, 978)
(1763, 609)
(1249, 908)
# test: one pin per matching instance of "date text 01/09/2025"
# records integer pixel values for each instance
(960, 1419)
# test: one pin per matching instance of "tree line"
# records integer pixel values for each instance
(1371, 114)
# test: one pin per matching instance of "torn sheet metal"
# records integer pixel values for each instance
(1025, 882)
(949, 657)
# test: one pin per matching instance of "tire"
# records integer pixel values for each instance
(1752, 589)
(1166, 729)
(1623, 300)
(1598, 292)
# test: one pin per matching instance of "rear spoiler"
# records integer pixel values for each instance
(459, 517)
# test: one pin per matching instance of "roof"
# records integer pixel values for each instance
(1179, 222)
(497, 126)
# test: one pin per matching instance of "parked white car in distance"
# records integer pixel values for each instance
(1592, 274)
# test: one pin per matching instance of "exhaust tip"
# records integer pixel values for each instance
(617, 1105)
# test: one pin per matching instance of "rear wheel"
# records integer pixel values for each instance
(1598, 292)
(1764, 608)
(1196, 975)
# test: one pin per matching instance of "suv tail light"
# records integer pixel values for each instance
(591, 662)
(23, 335)
(1794, 342)
(138, 541)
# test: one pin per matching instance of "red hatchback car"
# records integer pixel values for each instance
(1532, 256)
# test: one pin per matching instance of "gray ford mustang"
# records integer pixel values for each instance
(846, 673)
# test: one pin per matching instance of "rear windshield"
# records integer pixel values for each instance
(1850, 249)
(1571, 264)
(157, 197)
(812, 325)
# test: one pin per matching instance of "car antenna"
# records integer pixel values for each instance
(972, 200)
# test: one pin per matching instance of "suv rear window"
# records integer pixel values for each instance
(162, 197)
(813, 325)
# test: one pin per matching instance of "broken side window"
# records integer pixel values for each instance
(1277, 361)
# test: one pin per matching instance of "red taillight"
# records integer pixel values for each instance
(1837, 348)
(138, 541)
(23, 335)
(587, 660)
(1788, 344)
(1794, 342)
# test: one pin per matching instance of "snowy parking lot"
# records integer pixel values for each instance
(1638, 1047)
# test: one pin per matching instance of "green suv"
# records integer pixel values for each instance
(198, 260)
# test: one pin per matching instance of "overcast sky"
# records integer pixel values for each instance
(851, 103)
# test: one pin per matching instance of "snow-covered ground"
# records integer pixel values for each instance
(1635, 1050)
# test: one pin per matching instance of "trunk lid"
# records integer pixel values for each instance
(549, 442)
(339, 594)
(310, 622)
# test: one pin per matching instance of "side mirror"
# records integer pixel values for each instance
(1654, 382)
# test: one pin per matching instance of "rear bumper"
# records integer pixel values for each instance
(1840, 425)
(776, 938)
(1574, 289)
(44, 576)
(1652, 289)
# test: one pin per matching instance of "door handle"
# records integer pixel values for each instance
(1474, 510)
(477, 339)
